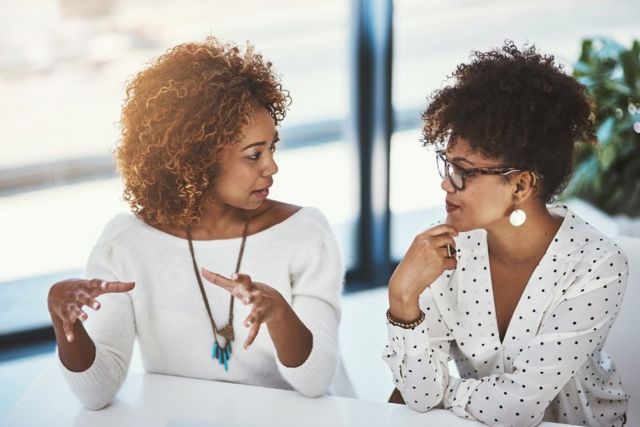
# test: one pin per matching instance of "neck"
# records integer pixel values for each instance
(219, 221)
(525, 244)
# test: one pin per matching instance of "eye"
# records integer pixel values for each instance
(255, 156)
(455, 169)
(272, 148)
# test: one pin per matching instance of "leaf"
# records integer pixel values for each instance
(608, 155)
(604, 130)
(609, 174)
(630, 64)
(586, 52)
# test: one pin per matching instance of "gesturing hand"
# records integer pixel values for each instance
(67, 298)
(268, 304)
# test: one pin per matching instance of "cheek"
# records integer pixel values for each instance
(483, 206)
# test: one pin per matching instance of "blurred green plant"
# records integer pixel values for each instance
(608, 174)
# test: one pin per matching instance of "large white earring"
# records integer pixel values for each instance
(517, 217)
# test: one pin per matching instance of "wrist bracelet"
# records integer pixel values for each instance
(405, 325)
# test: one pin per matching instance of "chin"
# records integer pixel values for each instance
(251, 206)
(460, 226)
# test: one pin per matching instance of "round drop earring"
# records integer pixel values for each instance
(517, 217)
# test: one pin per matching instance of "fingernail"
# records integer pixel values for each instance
(103, 285)
(69, 337)
(246, 301)
(234, 276)
(95, 306)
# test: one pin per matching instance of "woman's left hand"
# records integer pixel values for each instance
(268, 304)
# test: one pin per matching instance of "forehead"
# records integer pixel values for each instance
(460, 148)
(259, 123)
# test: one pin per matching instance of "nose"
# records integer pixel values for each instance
(270, 167)
(446, 185)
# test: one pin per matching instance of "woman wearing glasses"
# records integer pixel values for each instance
(521, 295)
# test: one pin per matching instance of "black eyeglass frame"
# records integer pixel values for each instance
(498, 170)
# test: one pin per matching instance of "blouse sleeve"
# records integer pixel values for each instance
(316, 284)
(418, 357)
(112, 330)
(569, 334)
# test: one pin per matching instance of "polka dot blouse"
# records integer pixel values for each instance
(550, 366)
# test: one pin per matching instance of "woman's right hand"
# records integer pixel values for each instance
(67, 298)
(426, 259)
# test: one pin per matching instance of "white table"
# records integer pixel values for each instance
(160, 400)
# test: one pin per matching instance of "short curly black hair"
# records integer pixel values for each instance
(517, 106)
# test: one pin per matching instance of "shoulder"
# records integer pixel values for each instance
(581, 240)
(294, 217)
(312, 221)
(308, 231)
(121, 226)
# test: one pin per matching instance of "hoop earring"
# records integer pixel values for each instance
(517, 217)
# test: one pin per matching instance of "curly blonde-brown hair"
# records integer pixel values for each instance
(180, 115)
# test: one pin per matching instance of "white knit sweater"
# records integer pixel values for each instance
(298, 257)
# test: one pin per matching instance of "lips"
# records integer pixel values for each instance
(261, 193)
(450, 206)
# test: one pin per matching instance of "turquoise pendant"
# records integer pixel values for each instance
(222, 354)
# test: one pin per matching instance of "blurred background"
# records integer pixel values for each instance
(359, 73)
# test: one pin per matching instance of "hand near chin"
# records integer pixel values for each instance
(431, 253)
(267, 303)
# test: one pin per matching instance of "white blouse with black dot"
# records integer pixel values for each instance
(550, 366)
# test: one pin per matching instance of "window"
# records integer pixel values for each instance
(63, 69)
(431, 38)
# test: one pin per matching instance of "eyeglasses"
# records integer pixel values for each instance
(458, 175)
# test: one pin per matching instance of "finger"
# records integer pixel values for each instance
(242, 293)
(448, 252)
(253, 333)
(83, 298)
(450, 263)
(78, 313)
(245, 284)
(251, 319)
(115, 287)
(217, 279)
(242, 279)
(443, 240)
(67, 327)
(441, 229)
(451, 251)
(255, 297)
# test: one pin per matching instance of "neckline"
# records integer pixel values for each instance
(550, 253)
(257, 235)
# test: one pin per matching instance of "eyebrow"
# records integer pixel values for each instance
(461, 160)
(276, 138)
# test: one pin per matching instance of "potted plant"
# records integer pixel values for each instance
(608, 174)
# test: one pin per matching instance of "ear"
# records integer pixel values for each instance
(524, 186)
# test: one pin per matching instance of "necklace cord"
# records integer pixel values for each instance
(215, 329)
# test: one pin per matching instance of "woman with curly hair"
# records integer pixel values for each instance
(521, 295)
(197, 160)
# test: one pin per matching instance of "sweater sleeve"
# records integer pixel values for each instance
(112, 330)
(316, 284)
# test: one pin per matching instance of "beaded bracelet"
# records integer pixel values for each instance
(405, 325)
